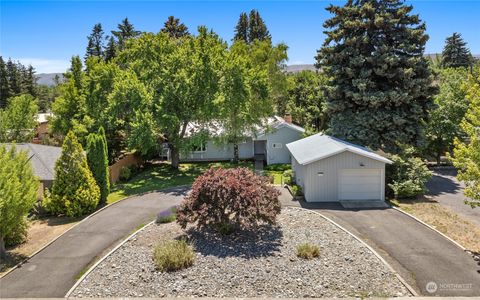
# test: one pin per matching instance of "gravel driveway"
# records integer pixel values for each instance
(255, 264)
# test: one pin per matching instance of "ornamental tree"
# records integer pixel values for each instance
(74, 191)
(379, 93)
(467, 153)
(229, 198)
(18, 193)
(97, 159)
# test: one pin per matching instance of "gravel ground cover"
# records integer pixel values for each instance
(247, 264)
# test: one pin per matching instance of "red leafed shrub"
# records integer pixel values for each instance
(229, 198)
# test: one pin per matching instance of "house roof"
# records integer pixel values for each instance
(43, 158)
(320, 146)
(43, 117)
(215, 128)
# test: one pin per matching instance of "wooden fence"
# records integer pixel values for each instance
(128, 160)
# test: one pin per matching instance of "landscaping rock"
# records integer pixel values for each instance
(261, 263)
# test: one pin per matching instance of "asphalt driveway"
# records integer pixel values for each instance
(53, 271)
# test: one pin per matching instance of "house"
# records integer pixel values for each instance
(329, 169)
(265, 144)
(42, 159)
(41, 131)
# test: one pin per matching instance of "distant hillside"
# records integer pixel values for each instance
(299, 68)
(48, 78)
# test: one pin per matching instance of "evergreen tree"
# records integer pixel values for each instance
(14, 78)
(174, 28)
(111, 49)
(95, 42)
(74, 191)
(124, 32)
(30, 81)
(455, 53)
(97, 158)
(4, 87)
(257, 30)
(380, 90)
(241, 30)
(18, 190)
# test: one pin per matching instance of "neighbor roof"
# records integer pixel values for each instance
(43, 117)
(320, 146)
(43, 159)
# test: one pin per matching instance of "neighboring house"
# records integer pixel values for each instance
(267, 145)
(329, 169)
(42, 129)
(42, 159)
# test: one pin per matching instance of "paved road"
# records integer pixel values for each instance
(448, 191)
(419, 254)
(53, 271)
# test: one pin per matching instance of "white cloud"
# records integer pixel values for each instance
(42, 65)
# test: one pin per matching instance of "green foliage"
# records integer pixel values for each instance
(18, 190)
(19, 234)
(174, 28)
(74, 191)
(97, 159)
(308, 251)
(379, 90)
(278, 167)
(95, 42)
(173, 255)
(451, 105)
(251, 28)
(19, 119)
(296, 190)
(125, 173)
(306, 100)
(455, 54)
(125, 31)
(15, 80)
(288, 177)
(466, 153)
(408, 174)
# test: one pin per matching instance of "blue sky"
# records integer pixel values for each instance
(47, 33)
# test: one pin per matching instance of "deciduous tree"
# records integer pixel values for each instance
(19, 119)
(379, 93)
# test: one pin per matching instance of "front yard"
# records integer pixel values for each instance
(260, 263)
(161, 176)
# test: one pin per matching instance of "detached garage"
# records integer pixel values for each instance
(329, 169)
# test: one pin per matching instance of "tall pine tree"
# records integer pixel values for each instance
(455, 53)
(124, 32)
(174, 28)
(95, 42)
(241, 30)
(97, 159)
(4, 88)
(380, 91)
(111, 49)
(257, 30)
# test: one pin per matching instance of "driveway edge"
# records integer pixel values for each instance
(431, 227)
(403, 281)
(84, 219)
(77, 283)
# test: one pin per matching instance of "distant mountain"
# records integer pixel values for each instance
(299, 68)
(48, 78)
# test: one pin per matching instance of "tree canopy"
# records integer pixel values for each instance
(19, 119)
(174, 28)
(455, 54)
(379, 91)
(251, 28)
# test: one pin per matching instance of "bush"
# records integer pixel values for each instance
(74, 192)
(308, 251)
(288, 177)
(408, 175)
(278, 167)
(173, 255)
(97, 159)
(167, 216)
(296, 190)
(234, 198)
(18, 235)
(125, 173)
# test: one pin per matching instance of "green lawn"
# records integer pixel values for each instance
(161, 176)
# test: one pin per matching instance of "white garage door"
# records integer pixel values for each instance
(360, 184)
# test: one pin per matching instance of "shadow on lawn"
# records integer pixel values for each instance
(266, 240)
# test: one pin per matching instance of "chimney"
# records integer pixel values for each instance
(288, 118)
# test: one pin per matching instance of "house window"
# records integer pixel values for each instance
(202, 147)
(277, 145)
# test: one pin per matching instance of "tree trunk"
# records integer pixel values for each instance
(438, 158)
(3, 251)
(175, 155)
(235, 153)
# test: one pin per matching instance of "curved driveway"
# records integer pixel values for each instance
(54, 270)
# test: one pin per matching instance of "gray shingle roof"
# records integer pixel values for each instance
(43, 158)
(320, 146)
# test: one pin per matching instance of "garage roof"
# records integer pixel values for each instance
(320, 146)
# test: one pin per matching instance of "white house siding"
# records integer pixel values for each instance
(325, 188)
(280, 136)
(216, 152)
(299, 173)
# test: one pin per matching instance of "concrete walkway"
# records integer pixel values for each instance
(419, 254)
(53, 271)
(445, 189)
